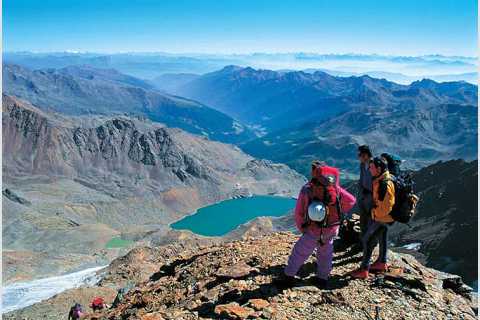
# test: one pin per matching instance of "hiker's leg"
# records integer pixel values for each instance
(365, 211)
(369, 242)
(325, 253)
(300, 253)
(383, 243)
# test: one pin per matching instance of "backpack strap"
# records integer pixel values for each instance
(306, 219)
(382, 189)
(339, 206)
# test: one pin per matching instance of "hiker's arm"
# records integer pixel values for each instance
(300, 210)
(347, 200)
(383, 208)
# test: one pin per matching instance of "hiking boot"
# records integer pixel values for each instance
(356, 248)
(321, 283)
(285, 281)
(359, 274)
(378, 266)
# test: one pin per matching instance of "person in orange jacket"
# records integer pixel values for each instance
(383, 194)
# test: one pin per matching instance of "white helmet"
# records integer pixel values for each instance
(317, 211)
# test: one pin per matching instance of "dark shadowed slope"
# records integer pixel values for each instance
(86, 90)
(446, 225)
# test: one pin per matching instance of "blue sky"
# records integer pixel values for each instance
(402, 27)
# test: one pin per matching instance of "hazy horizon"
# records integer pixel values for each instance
(252, 53)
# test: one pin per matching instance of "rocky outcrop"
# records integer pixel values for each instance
(121, 146)
(237, 280)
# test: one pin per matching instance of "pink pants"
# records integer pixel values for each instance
(305, 246)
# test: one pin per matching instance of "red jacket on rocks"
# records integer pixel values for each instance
(347, 202)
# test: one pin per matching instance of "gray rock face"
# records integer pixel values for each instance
(86, 183)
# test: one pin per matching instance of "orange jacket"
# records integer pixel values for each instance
(382, 208)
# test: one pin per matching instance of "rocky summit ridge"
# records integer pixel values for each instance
(237, 280)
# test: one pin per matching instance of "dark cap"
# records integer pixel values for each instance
(365, 149)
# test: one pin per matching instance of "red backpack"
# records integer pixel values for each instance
(97, 303)
(324, 185)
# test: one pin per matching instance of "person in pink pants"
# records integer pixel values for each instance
(313, 235)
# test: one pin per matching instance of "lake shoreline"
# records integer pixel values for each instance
(213, 217)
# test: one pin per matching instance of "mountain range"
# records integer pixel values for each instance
(71, 185)
(470, 77)
(307, 116)
(277, 100)
(299, 116)
(153, 64)
(419, 136)
(83, 90)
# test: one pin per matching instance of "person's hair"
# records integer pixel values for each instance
(386, 156)
(365, 149)
(318, 163)
(380, 163)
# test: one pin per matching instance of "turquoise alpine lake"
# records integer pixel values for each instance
(223, 217)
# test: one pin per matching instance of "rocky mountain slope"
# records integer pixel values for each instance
(446, 225)
(70, 185)
(169, 82)
(277, 100)
(76, 90)
(420, 135)
(236, 280)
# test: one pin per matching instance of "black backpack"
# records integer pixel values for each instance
(405, 198)
(393, 163)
